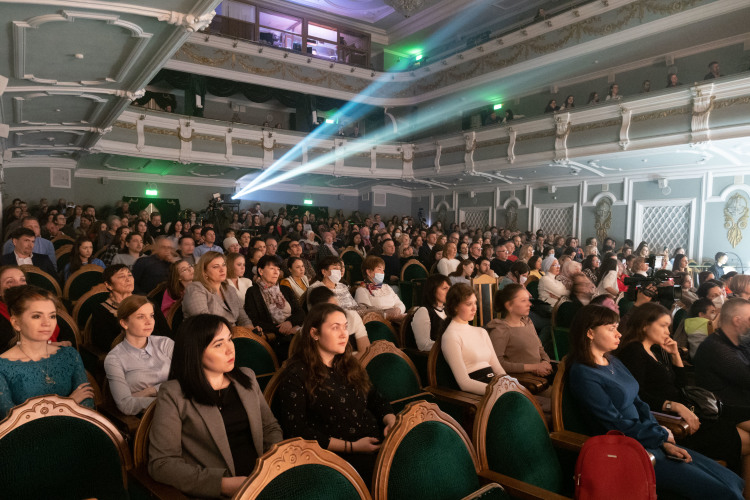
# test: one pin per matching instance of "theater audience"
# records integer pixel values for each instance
(80, 256)
(354, 325)
(513, 335)
(33, 367)
(210, 293)
(324, 394)
(131, 252)
(429, 321)
(139, 362)
(375, 294)
(236, 275)
(608, 394)
(463, 272)
(274, 308)
(118, 243)
(181, 274)
(23, 240)
(653, 358)
(211, 421)
(296, 279)
(208, 234)
(551, 289)
(329, 270)
(468, 349)
(151, 270)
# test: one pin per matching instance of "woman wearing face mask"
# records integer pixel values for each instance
(375, 294)
(329, 275)
(468, 349)
(513, 335)
(518, 274)
(550, 289)
(139, 362)
(463, 272)
(652, 357)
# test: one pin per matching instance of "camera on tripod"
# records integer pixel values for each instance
(659, 287)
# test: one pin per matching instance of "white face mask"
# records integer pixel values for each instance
(718, 301)
(335, 276)
(522, 279)
(378, 279)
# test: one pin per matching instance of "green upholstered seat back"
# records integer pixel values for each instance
(533, 288)
(309, 482)
(625, 305)
(62, 458)
(432, 462)
(83, 283)
(565, 314)
(63, 259)
(561, 342)
(252, 354)
(66, 333)
(392, 376)
(415, 272)
(679, 317)
(444, 374)
(380, 331)
(353, 262)
(40, 281)
(573, 418)
(58, 244)
(84, 313)
(518, 444)
(177, 319)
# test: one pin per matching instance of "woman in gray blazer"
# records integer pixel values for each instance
(209, 293)
(211, 421)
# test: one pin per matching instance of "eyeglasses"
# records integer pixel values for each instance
(555, 265)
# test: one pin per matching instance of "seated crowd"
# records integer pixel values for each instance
(285, 278)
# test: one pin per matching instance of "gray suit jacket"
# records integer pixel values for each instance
(188, 446)
(199, 300)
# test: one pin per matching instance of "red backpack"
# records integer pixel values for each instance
(614, 467)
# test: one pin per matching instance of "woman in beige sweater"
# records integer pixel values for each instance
(513, 336)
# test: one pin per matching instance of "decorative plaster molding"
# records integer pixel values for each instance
(20, 29)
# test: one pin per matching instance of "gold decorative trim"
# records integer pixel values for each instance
(537, 135)
(160, 131)
(247, 142)
(682, 110)
(595, 125)
(126, 125)
(206, 137)
(493, 142)
(724, 103)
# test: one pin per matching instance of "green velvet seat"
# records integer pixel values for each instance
(393, 375)
(43, 280)
(252, 353)
(86, 304)
(565, 314)
(296, 469)
(518, 444)
(309, 482)
(58, 455)
(377, 330)
(58, 243)
(560, 342)
(533, 289)
(426, 455)
(448, 472)
(82, 281)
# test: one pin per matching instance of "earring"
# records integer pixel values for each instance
(315, 339)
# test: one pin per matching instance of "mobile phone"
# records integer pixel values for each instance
(676, 459)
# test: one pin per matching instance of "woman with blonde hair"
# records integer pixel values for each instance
(236, 275)
(526, 252)
(209, 293)
(139, 363)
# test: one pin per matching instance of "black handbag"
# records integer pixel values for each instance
(702, 402)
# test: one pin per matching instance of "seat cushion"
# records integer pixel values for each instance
(518, 444)
(309, 482)
(379, 331)
(253, 355)
(432, 462)
(62, 458)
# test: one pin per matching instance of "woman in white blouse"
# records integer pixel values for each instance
(608, 278)
(550, 288)
(139, 363)
(375, 294)
(468, 349)
(448, 264)
(236, 275)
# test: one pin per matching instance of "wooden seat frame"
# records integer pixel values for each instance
(88, 268)
(384, 347)
(27, 269)
(296, 452)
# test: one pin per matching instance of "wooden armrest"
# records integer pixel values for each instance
(415, 397)
(481, 492)
(519, 489)
(460, 397)
(568, 440)
(674, 423)
(531, 382)
(156, 489)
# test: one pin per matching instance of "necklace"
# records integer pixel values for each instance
(47, 379)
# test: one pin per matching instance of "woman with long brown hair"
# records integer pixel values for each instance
(326, 395)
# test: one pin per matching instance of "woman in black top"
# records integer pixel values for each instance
(324, 393)
(653, 359)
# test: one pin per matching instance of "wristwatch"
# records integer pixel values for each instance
(668, 406)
